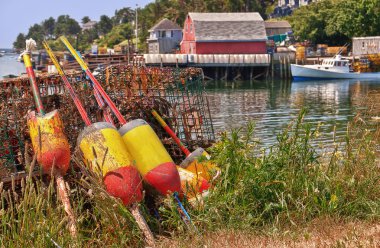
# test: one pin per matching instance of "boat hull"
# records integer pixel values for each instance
(300, 72)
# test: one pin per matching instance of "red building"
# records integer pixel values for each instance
(224, 33)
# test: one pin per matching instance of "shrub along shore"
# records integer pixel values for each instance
(289, 184)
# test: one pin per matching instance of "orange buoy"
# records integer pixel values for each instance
(205, 168)
(101, 143)
(191, 183)
(49, 141)
(150, 156)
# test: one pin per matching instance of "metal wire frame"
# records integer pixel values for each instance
(177, 94)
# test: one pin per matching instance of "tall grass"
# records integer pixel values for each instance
(289, 183)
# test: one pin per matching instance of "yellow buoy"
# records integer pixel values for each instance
(152, 160)
(102, 145)
(49, 142)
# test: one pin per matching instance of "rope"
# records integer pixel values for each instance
(29, 47)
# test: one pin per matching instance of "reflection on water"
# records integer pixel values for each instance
(271, 105)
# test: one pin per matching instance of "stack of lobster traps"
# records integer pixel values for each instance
(177, 94)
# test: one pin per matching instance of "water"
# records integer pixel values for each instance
(10, 65)
(273, 105)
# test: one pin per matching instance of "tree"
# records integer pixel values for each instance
(66, 26)
(118, 34)
(86, 19)
(19, 43)
(104, 25)
(37, 33)
(123, 15)
(336, 21)
(48, 26)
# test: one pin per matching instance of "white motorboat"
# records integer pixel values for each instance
(332, 68)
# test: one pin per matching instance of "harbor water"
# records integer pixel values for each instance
(273, 105)
(10, 65)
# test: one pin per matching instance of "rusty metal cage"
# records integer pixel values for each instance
(177, 94)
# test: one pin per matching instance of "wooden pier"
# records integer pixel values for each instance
(216, 66)
(227, 66)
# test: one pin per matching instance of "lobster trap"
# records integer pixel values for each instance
(176, 94)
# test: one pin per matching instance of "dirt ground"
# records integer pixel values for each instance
(318, 233)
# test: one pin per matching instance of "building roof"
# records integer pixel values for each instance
(277, 24)
(366, 38)
(247, 26)
(165, 24)
(89, 25)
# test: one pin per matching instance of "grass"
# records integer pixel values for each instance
(284, 187)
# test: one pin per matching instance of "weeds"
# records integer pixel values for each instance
(287, 184)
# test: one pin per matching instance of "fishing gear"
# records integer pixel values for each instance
(152, 160)
(48, 139)
(105, 152)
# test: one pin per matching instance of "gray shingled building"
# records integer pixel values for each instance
(164, 37)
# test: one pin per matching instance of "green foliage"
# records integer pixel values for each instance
(104, 25)
(66, 25)
(293, 181)
(117, 35)
(336, 21)
(19, 43)
(49, 26)
(37, 33)
(124, 15)
(85, 19)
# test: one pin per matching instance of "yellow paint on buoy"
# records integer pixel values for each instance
(102, 142)
(152, 160)
(104, 149)
(49, 141)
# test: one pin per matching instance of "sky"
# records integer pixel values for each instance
(16, 16)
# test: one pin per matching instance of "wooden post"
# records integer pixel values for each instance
(289, 68)
(272, 60)
(280, 61)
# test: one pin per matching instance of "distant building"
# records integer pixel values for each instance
(277, 27)
(88, 25)
(224, 33)
(365, 45)
(164, 37)
(286, 7)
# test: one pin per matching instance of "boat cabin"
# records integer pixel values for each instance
(336, 64)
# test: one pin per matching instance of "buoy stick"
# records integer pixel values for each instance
(171, 133)
(149, 238)
(102, 105)
(67, 84)
(32, 78)
(97, 85)
(62, 192)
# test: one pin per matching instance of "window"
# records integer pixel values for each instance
(191, 27)
(172, 33)
(163, 33)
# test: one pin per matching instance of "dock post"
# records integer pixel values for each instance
(280, 61)
(272, 60)
(250, 74)
(161, 63)
(289, 68)
(176, 65)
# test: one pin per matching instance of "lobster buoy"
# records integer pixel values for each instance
(205, 168)
(49, 142)
(191, 183)
(152, 160)
(101, 144)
